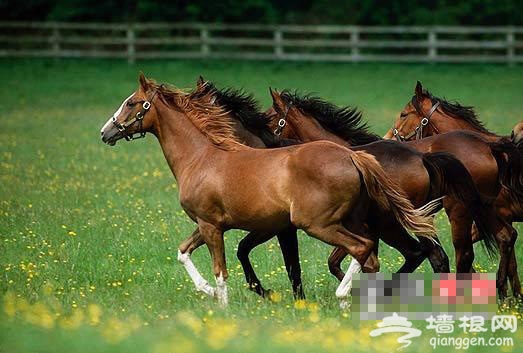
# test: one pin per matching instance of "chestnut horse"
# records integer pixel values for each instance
(423, 177)
(431, 123)
(323, 188)
(253, 128)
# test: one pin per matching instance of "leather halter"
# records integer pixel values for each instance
(418, 131)
(146, 106)
(283, 121)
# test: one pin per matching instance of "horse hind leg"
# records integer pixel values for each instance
(289, 248)
(438, 258)
(357, 246)
(245, 247)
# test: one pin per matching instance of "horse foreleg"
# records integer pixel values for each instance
(213, 237)
(184, 256)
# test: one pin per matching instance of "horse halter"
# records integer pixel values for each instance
(283, 121)
(146, 106)
(418, 131)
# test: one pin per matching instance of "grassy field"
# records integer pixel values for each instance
(88, 233)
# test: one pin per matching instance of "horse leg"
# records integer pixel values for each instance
(461, 224)
(291, 256)
(438, 258)
(213, 237)
(245, 246)
(184, 257)
(505, 237)
(513, 275)
(396, 236)
(335, 259)
(359, 247)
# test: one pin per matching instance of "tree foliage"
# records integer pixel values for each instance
(362, 12)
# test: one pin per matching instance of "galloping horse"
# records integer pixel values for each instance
(254, 129)
(323, 188)
(429, 123)
(423, 177)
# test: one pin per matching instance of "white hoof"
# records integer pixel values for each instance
(221, 291)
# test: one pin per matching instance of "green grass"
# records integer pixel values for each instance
(87, 228)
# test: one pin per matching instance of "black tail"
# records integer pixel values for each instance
(510, 165)
(448, 176)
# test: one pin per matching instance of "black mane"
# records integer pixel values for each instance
(345, 122)
(242, 106)
(459, 111)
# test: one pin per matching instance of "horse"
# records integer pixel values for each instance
(322, 188)
(251, 128)
(423, 176)
(431, 123)
(254, 129)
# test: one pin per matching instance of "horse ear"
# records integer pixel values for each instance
(144, 83)
(419, 90)
(276, 98)
(200, 82)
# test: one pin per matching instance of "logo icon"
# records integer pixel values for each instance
(395, 324)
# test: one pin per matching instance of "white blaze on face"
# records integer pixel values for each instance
(116, 113)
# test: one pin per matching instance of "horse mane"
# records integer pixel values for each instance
(345, 122)
(242, 106)
(459, 111)
(212, 118)
(245, 109)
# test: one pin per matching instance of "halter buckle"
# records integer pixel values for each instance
(282, 123)
(146, 105)
(424, 122)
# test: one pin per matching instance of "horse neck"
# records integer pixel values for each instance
(309, 129)
(446, 123)
(246, 136)
(182, 143)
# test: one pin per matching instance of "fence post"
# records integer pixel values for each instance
(204, 38)
(278, 47)
(354, 41)
(55, 41)
(131, 50)
(510, 47)
(432, 52)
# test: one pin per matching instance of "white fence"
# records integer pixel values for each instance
(262, 42)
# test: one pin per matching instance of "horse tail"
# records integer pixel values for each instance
(448, 176)
(510, 165)
(390, 197)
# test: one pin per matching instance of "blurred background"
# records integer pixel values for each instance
(89, 233)
(369, 12)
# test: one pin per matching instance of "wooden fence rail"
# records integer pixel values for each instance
(262, 42)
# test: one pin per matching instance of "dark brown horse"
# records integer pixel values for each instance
(431, 123)
(424, 177)
(325, 189)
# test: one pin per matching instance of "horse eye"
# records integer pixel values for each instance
(130, 104)
(403, 115)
